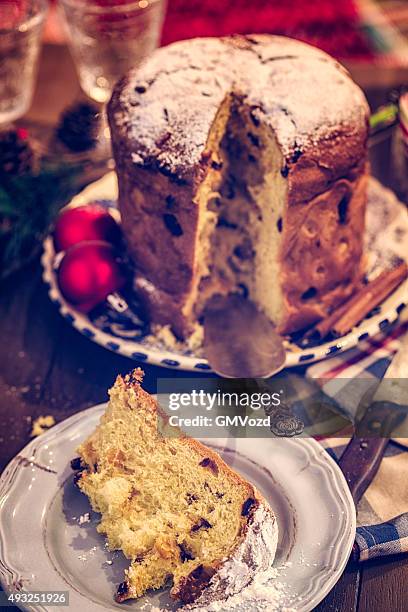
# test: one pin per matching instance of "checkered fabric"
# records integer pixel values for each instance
(382, 514)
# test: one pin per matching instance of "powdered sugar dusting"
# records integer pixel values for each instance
(168, 105)
(265, 592)
(253, 557)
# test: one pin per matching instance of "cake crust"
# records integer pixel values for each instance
(160, 117)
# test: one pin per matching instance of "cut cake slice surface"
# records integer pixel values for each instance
(175, 509)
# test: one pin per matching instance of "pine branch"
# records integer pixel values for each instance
(28, 205)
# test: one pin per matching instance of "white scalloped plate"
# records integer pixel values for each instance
(43, 546)
(388, 221)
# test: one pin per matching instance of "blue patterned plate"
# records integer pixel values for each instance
(386, 236)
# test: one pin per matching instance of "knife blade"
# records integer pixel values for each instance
(239, 340)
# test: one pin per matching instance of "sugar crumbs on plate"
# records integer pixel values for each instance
(163, 335)
(84, 518)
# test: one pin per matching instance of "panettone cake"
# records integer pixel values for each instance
(242, 167)
(175, 509)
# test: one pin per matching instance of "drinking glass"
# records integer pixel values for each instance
(21, 26)
(108, 37)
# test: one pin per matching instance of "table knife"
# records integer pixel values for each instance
(388, 409)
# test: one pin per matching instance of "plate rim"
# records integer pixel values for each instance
(335, 481)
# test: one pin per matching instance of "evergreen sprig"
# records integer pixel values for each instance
(28, 205)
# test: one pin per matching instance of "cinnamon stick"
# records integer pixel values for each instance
(351, 312)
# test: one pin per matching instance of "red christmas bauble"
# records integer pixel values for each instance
(88, 273)
(88, 222)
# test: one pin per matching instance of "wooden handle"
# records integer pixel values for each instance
(360, 462)
(362, 457)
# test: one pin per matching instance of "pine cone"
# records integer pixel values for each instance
(78, 127)
(16, 154)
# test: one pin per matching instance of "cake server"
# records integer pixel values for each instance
(239, 340)
(387, 410)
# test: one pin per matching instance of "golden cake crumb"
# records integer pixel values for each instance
(41, 424)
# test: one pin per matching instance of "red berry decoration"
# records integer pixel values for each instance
(88, 222)
(88, 273)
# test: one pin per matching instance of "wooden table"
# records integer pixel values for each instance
(46, 367)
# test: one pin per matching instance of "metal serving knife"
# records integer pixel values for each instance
(387, 410)
(239, 340)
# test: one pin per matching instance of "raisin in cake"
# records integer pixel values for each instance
(242, 167)
(171, 504)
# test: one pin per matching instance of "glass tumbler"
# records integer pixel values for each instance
(108, 37)
(21, 24)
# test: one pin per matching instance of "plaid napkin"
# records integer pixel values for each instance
(382, 514)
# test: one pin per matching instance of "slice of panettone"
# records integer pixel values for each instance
(175, 509)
